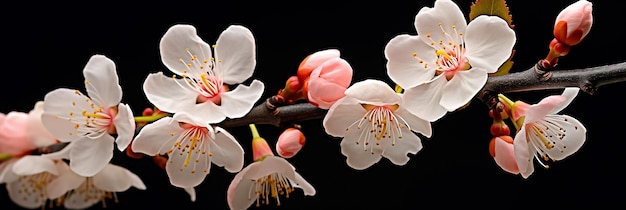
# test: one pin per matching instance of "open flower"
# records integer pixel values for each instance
(80, 192)
(27, 179)
(544, 134)
(202, 87)
(374, 123)
(268, 177)
(191, 147)
(447, 63)
(89, 121)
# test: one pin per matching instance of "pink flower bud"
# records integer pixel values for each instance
(573, 23)
(313, 61)
(290, 142)
(501, 149)
(328, 82)
(14, 137)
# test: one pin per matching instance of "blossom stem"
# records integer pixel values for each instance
(255, 132)
(4, 156)
(508, 101)
(150, 118)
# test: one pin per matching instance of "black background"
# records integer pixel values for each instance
(46, 45)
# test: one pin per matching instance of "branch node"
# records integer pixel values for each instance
(588, 87)
(543, 73)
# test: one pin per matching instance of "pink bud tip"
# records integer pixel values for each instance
(290, 142)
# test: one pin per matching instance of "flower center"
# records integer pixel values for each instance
(192, 144)
(202, 76)
(33, 187)
(93, 119)
(87, 192)
(546, 135)
(450, 51)
(270, 186)
(379, 122)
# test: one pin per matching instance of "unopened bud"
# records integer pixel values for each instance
(573, 23)
(290, 142)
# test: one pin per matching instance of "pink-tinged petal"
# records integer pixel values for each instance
(572, 141)
(237, 103)
(416, 124)
(462, 88)
(60, 105)
(66, 181)
(112, 178)
(342, 115)
(315, 60)
(519, 109)
(238, 194)
(14, 137)
(445, 15)
(524, 153)
(323, 93)
(488, 42)
(290, 142)
(89, 156)
(102, 82)
(335, 70)
(570, 94)
(38, 133)
(423, 100)
(359, 155)
(32, 164)
(397, 150)
(188, 168)
(192, 193)
(235, 52)
(124, 126)
(177, 43)
(6, 171)
(374, 92)
(410, 61)
(166, 94)
(226, 151)
(156, 137)
(539, 111)
(505, 156)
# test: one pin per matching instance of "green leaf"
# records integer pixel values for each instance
(491, 7)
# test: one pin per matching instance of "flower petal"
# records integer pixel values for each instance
(572, 140)
(342, 115)
(300, 182)
(324, 93)
(226, 151)
(166, 94)
(155, 138)
(488, 42)
(89, 156)
(39, 135)
(188, 168)
(445, 15)
(14, 134)
(374, 92)
(423, 100)
(102, 82)
(240, 101)
(124, 125)
(112, 178)
(192, 193)
(524, 153)
(66, 181)
(462, 88)
(505, 156)
(34, 164)
(60, 105)
(6, 171)
(235, 52)
(396, 150)
(570, 94)
(409, 60)
(539, 111)
(416, 124)
(177, 43)
(239, 192)
(359, 155)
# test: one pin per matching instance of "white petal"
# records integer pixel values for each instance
(489, 42)
(374, 92)
(239, 192)
(112, 178)
(226, 151)
(397, 153)
(416, 124)
(235, 51)
(538, 112)
(33, 164)
(166, 94)
(575, 136)
(341, 115)
(175, 43)
(59, 105)
(269, 165)
(6, 171)
(423, 100)
(124, 125)
(205, 113)
(197, 168)
(156, 137)
(61, 154)
(524, 153)
(102, 82)
(65, 182)
(299, 181)
(89, 156)
(35, 197)
(570, 94)
(359, 156)
(39, 134)
(237, 103)
(404, 54)
(462, 88)
(192, 193)
(446, 13)
(76, 200)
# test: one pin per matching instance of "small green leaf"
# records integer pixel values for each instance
(491, 7)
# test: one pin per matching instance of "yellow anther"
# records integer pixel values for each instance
(444, 54)
(414, 54)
